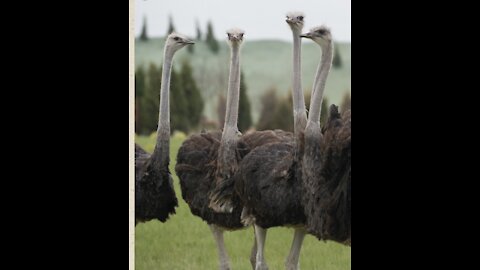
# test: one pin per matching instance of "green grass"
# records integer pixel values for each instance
(185, 241)
(265, 63)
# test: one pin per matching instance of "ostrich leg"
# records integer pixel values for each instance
(222, 252)
(253, 254)
(260, 235)
(294, 256)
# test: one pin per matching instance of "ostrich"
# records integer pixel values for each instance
(269, 178)
(327, 188)
(197, 158)
(154, 193)
(227, 153)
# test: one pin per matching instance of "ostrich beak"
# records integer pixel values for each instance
(288, 20)
(189, 42)
(237, 38)
(306, 35)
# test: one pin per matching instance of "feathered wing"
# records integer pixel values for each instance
(154, 193)
(196, 167)
(141, 157)
(223, 192)
(267, 185)
(196, 162)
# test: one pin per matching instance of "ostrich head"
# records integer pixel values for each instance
(235, 36)
(177, 41)
(320, 34)
(295, 20)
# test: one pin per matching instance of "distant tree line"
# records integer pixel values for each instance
(212, 42)
(276, 112)
(210, 39)
(186, 103)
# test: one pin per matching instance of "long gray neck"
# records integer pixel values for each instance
(161, 153)
(315, 81)
(319, 83)
(299, 112)
(233, 94)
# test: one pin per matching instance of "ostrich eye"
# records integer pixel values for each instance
(321, 31)
(229, 35)
(176, 38)
(241, 35)
(300, 18)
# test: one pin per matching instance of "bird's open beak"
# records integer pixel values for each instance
(306, 35)
(189, 42)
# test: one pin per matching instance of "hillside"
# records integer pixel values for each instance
(265, 63)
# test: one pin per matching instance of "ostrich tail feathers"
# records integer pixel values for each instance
(246, 218)
(221, 197)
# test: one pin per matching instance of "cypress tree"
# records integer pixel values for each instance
(337, 59)
(139, 92)
(269, 103)
(346, 103)
(171, 28)
(151, 100)
(192, 95)
(199, 31)
(244, 114)
(210, 39)
(143, 35)
(178, 105)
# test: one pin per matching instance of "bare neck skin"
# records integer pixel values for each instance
(319, 85)
(315, 81)
(233, 95)
(161, 154)
(313, 124)
(299, 113)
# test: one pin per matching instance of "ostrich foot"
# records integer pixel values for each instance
(253, 262)
(261, 266)
(224, 266)
(253, 254)
(291, 266)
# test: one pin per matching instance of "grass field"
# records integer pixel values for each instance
(185, 241)
(266, 64)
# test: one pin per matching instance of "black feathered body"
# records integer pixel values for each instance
(221, 194)
(327, 187)
(154, 193)
(197, 167)
(267, 183)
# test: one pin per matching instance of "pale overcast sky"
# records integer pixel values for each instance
(260, 19)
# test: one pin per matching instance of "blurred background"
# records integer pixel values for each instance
(197, 101)
(199, 80)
